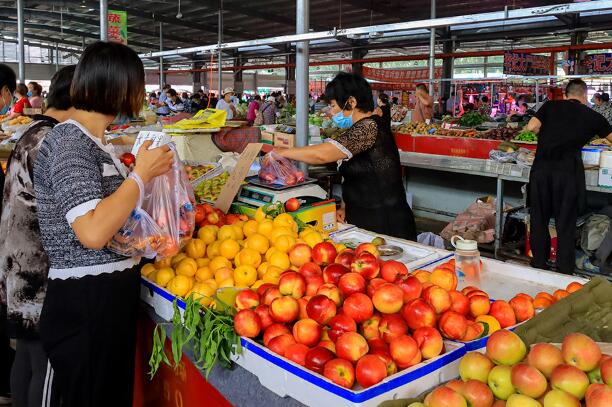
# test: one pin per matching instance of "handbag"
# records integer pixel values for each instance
(259, 119)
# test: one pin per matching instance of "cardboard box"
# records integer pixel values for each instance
(605, 177)
(284, 140)
(317, 213)
(267, 137)
(233, 184)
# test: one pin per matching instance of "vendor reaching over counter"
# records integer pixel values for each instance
(557, 186)
(373, 192)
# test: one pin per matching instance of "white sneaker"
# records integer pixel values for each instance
(5, 401)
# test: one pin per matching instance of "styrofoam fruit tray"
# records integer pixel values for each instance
(414, 256)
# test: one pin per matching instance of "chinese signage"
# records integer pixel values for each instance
(399, 75)
(519, 63)
(598, 63)
(382, 86)
(117, 26)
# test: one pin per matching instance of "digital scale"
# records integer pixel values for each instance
(256, 193)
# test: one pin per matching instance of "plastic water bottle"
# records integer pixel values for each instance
(467, 259)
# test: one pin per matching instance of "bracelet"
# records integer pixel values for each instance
(141, 186)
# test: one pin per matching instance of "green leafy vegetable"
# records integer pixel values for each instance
(526, 135)
(472, 119)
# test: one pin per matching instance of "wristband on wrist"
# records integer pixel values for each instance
(141, 186)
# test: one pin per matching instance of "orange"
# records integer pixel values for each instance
(249, 257)
(307, 230)
(219, 262)
(491, 321)
(177, 259)
(546, 295)
(179, 285)
(245, 276)
(258, 242)
(573, 286)
(250, 228)
(227, 283)
(260, 215)
(227, 232)
(284, 219)
(203, 274)
(263, 267)
(147, 269)
(165, 262)
(187, 267)
(265, 228)
(422, 275)
(280, 231)
(340, 247)
(203, 293)
(541, 302)
(257, 284)
(284, 243)
(238, 231)
(312, 238)
(280, 260)
(196, 248)
(163, 276)
(560, 294)
(272, 275)
(203, 262)
(212, 250)
(211, 282)
(229, 249)
(269, 253)
(223, 274)
(208, 234)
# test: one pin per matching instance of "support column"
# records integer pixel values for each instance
(448, 47)
(290, 74)
(20, 42)
(577, 38)
(238, 80)
(219, 56)
(301, 75)
(162, 79)
(358, 53)
(432, 49)
(255, 85)
(103, 20)
(57, 57)
(196, 76)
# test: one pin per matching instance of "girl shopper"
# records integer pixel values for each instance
(88, 320)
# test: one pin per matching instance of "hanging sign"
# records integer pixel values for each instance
(520, 63)
(598, 63)
(382, 86)
(117, 26)
(399, 75)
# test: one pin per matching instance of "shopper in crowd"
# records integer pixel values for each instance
(153, 99)
(163, 94)
(423, 109)
(213, 100)
(88, 320)
(384, 110)
(485, 107)
(394, 101)
(254, 106)
(174, 102)
(601, 104)
(186, 102)
(23, 261)
(8, 84)
(195, 103)
(34, 95)
(369, 155)
(269, 111)
(21, 95)
(556, 183)
(226, 103)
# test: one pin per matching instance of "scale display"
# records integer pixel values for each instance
(256, 196)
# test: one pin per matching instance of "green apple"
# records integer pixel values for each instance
(559, 398)
(500, 382)
(595, 375)
(475, 365)
(520, 400)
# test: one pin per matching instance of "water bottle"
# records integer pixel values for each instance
(467, 259)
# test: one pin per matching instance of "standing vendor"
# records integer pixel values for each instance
(373, 193)
(226, 103)
(423, 109)
(557, 187)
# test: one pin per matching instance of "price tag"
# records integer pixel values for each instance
(157, 137)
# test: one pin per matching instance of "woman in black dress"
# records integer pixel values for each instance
(373, 193)
(384, 109)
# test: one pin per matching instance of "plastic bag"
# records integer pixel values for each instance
(276, 169)
(204, 119)
(140, 236)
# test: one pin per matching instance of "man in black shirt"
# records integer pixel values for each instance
(557, 187)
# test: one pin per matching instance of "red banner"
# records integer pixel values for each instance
(396, 86)
(399, 75)
(519, 63)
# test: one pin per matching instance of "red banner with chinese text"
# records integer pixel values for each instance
(399, 75)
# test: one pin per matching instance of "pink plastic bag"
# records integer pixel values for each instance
(276, 169)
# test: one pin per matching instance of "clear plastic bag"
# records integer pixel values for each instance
(140, 236)
(279, 170)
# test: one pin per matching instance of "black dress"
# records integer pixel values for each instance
(372, 189)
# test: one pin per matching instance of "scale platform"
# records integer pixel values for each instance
(262, 194)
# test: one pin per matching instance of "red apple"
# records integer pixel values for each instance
(303, 303)
(411, 286)
(570, 379)
(477, 394)
(476, 366)
(292, 205)
(392, 270)
(312, 284)
(333, 272)
(351, 346)
(367, 265)
(341, 372)
(455, 384)
(300, 254)
(452, 325)
(316, 358)
(479, 305)
(476, 292)
(606, 371)
(373, 285)
(339, 325)
(345, 257)
(324, 253)
(444, 277)
(503, 312)
(263, 313)
(307, 331)
(581, 351)
(429, 341)
(392, 326)
(560, 398)
(284, 309)
(505, 348)
(247, 323)
(418, 313)
(359, 307)
(292, 283)
(378, 345)
(389, 363)
(280, 343)
(367, 248)
(297, 353)
(545, 357)
(370, 370)
(523, 308)
(438, 298)
(370, 327)
(403, 350)
(388, 299)
(321, 309)
(262, 289)
(328, 344)
(445, 397)
(469, 289)
(351, 283)
(474, 330)
(592, 387)
(310, 269)
(273, 331)
(332, 292)
(247, 299)
(600, 397)
(271, 294)
(528, 380)
(459, 302)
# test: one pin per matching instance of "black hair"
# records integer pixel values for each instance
(184, 95)
(576, 87)
(345, 85)
(525, 105)
(384, 98)
(484, 99)
(605, 97)
(166, 87)
(422, 86)
(257, 97)
(59, 91)
(394, 99)
(153, 95)
(109, 79)
(22, 89)
(8, 78)
(36, 87)
(171, 92)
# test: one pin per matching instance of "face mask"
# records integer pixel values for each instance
(341, 120)
(29, 94)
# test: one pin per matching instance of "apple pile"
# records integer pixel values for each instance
(347, 316)
(545, 377)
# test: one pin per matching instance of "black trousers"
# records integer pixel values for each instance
(88, 329)
(31, 381)
(554, 194)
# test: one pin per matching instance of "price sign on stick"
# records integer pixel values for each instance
(159, 139)
(233, 184)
